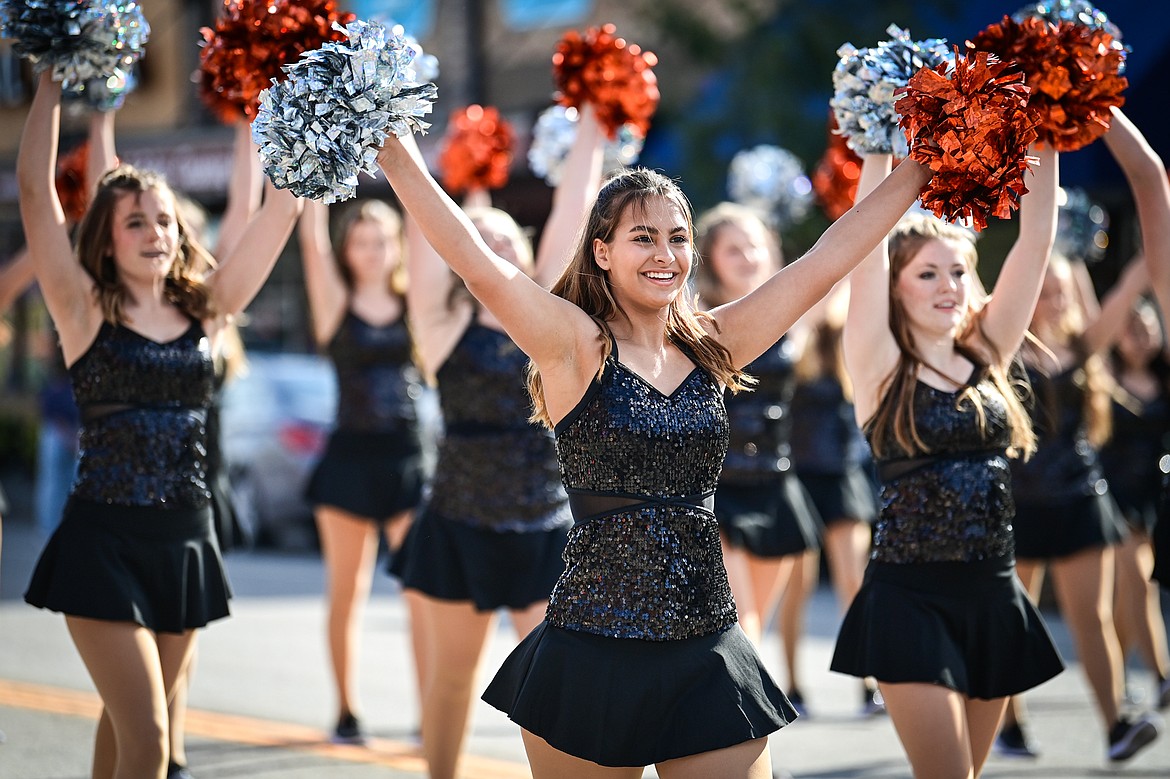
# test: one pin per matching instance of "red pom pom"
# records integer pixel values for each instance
(71, 189)
(972, 129)
(616, 77)
(477, 150)
(837, 174)
(249, 43)
(1073, 71)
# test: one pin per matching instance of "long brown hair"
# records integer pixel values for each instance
(895, 413)
(585, 284)
(707, 229)
(376, 212)
(183, 285)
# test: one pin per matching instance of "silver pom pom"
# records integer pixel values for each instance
(865, 83)
(104, 94)
(79, 41)
(771, 180)
(324, 124)
(553, 136)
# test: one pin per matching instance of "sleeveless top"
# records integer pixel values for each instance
(647, 564)
(495, 469)
(1065, 466)
(825, 437)
(144, 411)
(377, 381)
(1132, 458)
(761, 420)
(953, 503)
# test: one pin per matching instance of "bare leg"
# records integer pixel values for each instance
(177, 712)
(350, 546)
(134, 673)
(847, 549)
(749, 760)
(1031, 576)
(1137, 608)
(739, 577)
(983, 718)
(1084, 589)
(456, 637)
(931, 722)
(526, 620)
(802, 583)
(548, 763)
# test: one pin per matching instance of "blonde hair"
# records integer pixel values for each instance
(585, 284)
(183, 285)
(894, 418)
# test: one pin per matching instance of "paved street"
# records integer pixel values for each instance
(261, 702)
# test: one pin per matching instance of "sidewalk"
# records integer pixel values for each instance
(262, 705)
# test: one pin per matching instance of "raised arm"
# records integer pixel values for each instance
(753, 323)
(1103, 330)
(324, 286)
(102, 155)
(1146, 174)
(547, 328)
(243, 271)
(66, 287)
(245, 187)
(869, 347)
(579, 184)
(15, 277)
(1018, 287)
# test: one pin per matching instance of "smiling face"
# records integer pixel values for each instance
(740, 257)
(503, 236)
(144, 234)
(648, 255)
(934, 288)
(371, 250)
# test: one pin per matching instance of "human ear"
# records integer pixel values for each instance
(601, 253)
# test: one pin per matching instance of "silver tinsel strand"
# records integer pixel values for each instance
(79, 40)
(324, 124)
(865, 83)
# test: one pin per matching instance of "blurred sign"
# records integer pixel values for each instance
(528, 14)
(417, 17)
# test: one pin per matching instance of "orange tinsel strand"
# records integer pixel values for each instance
(616, 77)
(972, 129)
(251, 40)
(477, 150)
(1073, 70)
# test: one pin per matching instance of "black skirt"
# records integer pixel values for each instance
(160, 568)
(771, 519)
(1046, 531)
(631, 702)
(842, 496)
(966, 626)
(372, 475)
(456, 561)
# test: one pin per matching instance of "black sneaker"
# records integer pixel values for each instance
(872, 703)
(176, 771)
(796, 698)
(1013, 742)
(1131, 734)
(348, 731)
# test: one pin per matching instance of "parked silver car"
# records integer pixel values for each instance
(275, 420)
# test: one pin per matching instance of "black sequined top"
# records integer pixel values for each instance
(652, 570)
(377, 382)
(955, 503)
(1132, 458)
(825, 437)
(1065, 466)
(495, 469)
(761, 420)
(144, 413)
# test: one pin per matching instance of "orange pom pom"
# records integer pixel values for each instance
(837, 174)
(616, 77)
(972, 128)
(1074, 72)
(244, 51)
(71, 189)
(477, 150)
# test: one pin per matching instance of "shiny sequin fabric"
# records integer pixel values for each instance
(825, 438)
(144, 413)
(1065, 465)
(377, 382)
(955, 502)
(495, 469)
(653, 570)
(761, 420)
